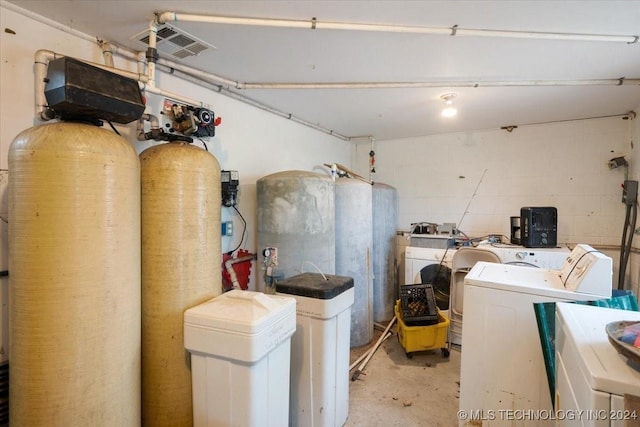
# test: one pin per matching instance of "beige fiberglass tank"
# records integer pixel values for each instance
(74, 262)
(181, 268)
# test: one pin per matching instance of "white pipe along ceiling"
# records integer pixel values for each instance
(451, 71)
(165, 17)
(314, 24)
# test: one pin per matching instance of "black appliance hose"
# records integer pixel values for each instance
(625, 245)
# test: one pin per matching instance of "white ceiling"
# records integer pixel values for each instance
(250, 54)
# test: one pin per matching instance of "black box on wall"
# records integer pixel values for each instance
(539, 227)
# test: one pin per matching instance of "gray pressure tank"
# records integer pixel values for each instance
(385, 219)
(354, 250)
(296, 215)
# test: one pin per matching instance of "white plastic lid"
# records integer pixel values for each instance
(240, 311)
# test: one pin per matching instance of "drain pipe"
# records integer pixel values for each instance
(141, 60)
(107, 52)
(155, 131)
(455, 30)
(228, 265)
(373, 349)
(152, 53)
(41, 61)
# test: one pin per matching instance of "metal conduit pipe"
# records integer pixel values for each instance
(454, 30)
(289, 116)
(436, 84)
(221, 81)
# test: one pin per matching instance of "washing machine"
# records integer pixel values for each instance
(549, 258)
(592, 379)
(437, 265)
(502, 365)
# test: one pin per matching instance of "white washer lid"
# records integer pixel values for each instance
(240, 311)
(604, 368)
(527, 280)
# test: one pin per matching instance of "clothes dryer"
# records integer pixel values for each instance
(550, 258)
(434, 263)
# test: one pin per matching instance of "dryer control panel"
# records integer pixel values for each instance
(588, 271)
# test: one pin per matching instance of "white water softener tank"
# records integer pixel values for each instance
(240, 345)
(74, 257)
(181, 268)
(320, 348)
(354, 242)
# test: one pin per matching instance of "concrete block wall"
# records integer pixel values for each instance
(479, 179)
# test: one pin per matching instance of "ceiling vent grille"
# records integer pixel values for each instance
(175, 42)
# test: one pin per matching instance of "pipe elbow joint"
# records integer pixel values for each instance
(46, 114)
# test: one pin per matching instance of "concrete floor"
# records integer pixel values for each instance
(394, 390)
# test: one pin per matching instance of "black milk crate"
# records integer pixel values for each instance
(418, 304)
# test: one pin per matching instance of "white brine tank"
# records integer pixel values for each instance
(181, 268)
(354, 242)
(320, 348)
(296, 215)
(385, 219)
(240, 345)
(74, 258)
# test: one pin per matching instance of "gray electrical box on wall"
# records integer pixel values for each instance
(630, 192)
(229, 183)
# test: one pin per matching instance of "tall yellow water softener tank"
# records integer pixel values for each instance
(74, 262)
(181, 268)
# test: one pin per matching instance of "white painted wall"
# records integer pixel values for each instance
(251, 141)
(479, 179)
(439, 178)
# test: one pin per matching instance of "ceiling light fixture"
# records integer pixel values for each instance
(449, 110)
